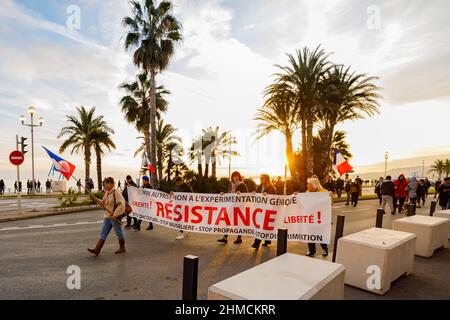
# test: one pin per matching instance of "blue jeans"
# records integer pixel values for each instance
(108, 224)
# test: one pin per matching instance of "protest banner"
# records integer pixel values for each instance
(307, 216)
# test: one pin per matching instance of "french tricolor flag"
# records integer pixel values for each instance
(147, 164)
(341, 165)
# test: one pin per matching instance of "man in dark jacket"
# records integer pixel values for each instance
(444, 194)
(181, 186)
(265, 187)
(387, 194)
(128, 183)
(145, 185)
(339, 186)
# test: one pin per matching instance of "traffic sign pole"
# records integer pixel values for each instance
(19, 204)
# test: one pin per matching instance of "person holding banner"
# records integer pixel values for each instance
(145, 185)
(265, 188)
(128, 182)
(238, 186)
(181, 186)
(314, 185)
(114, 205)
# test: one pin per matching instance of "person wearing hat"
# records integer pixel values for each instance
(145, 185)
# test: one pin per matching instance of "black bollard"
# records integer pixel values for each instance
(190, 277)
(282, 242)
(433, 207)
(411, 210)
(339, 233)
(379, 222)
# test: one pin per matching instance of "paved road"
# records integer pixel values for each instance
(28, 204)
(36, 253)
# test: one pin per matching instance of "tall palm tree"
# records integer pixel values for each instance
(80, 134)
(304, 73)
(447, 168)
(344, 95)
(153, 32)
(101, 138)
(175, 160)
(438, 167)
(136, 105)
(279, 113)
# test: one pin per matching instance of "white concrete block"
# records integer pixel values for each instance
(387, 252)
(432, 232)
(443, 214)
(287, 277)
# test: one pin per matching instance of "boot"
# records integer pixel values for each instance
(121, 246)
(98, 247)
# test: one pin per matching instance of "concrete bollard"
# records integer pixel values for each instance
(411, 210)
(190, 277)
(433, 207)
(339, 234)
(379, 221)
(282, 242)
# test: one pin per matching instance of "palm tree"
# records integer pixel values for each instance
(101, 137)
(80, 131)
(153, 32)
(438, 167)
(344, 96)
(211, 146)
(175, 160)
(338, 143)
(165, 141)
(169, 148)
(304, 74)
(136, 105)
(279, 113)
(447, 167)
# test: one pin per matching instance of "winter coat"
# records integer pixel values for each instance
(113, 199)
(269, 190)
(183, 188)
(400, 187)
(387, 188)
(412, 187)
(241, 187)
(444, 194)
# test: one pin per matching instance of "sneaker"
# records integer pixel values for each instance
(180, 237)
(310, 254)
(237, 241)
(150, 227)
(223, 240)
(255, 246)
(325, 253)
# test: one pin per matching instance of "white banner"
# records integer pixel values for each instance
(307, 216)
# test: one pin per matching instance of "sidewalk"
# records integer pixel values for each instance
(9, 216)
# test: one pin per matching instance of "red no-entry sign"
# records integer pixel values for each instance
(16, 158)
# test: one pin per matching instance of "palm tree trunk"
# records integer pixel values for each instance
(147, 140)
(153, 177)
(87, 163)
(206, 170)
(326, 148)
(309, 145)
(304, 148)
(169, 166)
(159, 162)
(290, 153)
(99, 167)
(213, 165)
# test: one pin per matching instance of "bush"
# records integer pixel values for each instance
(69, 198)
(167, 186)
(97, 194)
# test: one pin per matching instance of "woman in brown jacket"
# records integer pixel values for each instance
(113, 204)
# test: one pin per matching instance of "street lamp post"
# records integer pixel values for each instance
(32, 112)
(423, 168)
(386, 157)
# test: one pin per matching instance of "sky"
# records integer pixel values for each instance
(219, 72)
